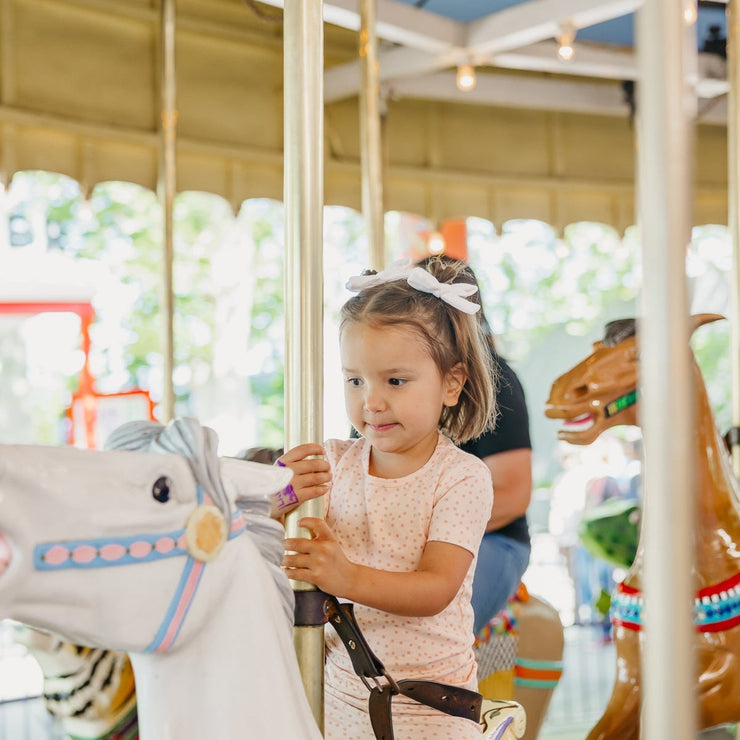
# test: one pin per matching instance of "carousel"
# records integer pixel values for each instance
(370, 100)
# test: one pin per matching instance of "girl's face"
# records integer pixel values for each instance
(394, 394)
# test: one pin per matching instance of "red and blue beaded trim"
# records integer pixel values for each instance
(716, 607)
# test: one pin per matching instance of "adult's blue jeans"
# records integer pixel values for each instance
(500, 567)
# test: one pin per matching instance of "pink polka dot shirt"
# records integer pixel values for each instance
(385, 524)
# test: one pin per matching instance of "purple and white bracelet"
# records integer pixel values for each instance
(286, 499)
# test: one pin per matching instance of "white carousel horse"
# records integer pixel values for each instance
(197, 558)
(202, 618)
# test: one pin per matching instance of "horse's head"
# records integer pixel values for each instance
(601, 391)
(107, 547)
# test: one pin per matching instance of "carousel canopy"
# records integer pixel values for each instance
(536, 138)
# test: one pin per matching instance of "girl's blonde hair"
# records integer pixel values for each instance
(451, 337)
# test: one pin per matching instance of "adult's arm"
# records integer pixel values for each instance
(511, 472)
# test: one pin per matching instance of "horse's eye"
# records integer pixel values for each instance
(161, 489)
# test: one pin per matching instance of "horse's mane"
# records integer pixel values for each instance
(617, 331)
(199, 446)
(184, 437)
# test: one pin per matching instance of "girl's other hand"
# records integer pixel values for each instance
(319, 560)
(311, 474)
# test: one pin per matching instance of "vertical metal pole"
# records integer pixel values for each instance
(304, 202)
(666, 110)
(733, 216)
(8, 75)
(371, 157)
(7, 97)
(166, 191)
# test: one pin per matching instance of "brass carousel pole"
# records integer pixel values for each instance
(304, 202)
(666, 49)
(733, 219)
(371, 158)
(166, 192)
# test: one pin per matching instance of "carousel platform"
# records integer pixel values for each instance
(576, 705)
(585, 686)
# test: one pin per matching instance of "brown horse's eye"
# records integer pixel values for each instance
(161, 489)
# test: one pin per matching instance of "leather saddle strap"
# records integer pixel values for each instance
(448, 699)
(452, 700)
(379, 708)
(342, 618)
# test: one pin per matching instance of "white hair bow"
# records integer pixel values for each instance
(453, 293)
(397, 270)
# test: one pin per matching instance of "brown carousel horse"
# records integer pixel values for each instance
(601, 392)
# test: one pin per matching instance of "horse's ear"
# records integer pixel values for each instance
(252, 480)
(699, 319)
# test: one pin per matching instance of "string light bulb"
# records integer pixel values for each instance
(690, 12)
(436, 243)
(566, 52)
(466, 77)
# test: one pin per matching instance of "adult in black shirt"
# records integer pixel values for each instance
(507, 451)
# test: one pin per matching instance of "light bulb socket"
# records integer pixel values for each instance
(466, 77)
(565, 42)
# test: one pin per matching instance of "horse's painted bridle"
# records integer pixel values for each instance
(143, 548)
(716, 607)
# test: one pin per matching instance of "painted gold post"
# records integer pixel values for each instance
(166, 192)
(371, 157)
(303, 194)
(733, 216)
(666, 110)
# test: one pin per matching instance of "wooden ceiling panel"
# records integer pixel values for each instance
(122, 161)
(585, 145)
(461, 201)
(343, 188)
(501, 140)
(407, 130)
(75, 61)
(42, 149)
(407, 196)
(229, 92)
(711, 156)
(585, 205)
(710, 206)
(522, 202)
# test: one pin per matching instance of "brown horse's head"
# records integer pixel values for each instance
(601, 391)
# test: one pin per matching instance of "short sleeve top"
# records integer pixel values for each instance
(385, 524)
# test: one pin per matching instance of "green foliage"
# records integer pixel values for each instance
(711, 347)
(532, 281)
(228, 287)
(267, 329)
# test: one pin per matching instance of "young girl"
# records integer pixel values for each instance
(406, 509)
